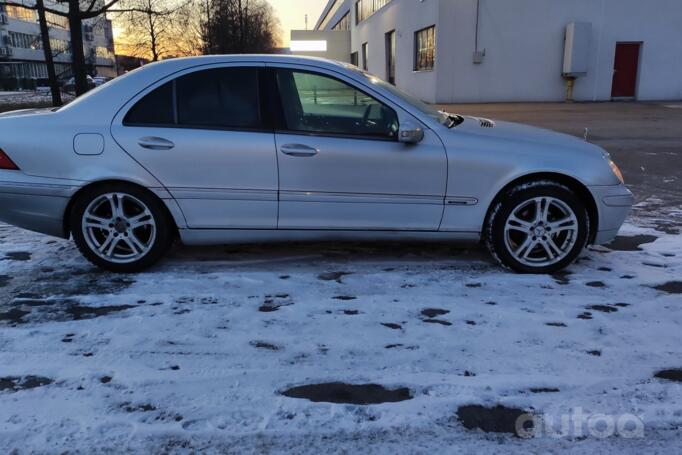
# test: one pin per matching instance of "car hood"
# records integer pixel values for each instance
(509, 131)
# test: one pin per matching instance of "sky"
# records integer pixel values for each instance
(291, 14)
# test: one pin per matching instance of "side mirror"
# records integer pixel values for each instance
(410, 133)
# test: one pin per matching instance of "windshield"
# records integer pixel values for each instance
(441, 117)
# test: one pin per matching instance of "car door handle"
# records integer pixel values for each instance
(155, 143)
(299, 150)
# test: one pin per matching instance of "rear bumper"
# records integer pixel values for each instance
(613, 204)
(33, 204)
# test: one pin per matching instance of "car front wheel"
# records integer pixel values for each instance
(121, 228)
(537, 227)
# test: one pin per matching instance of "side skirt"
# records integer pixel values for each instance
(232, 236)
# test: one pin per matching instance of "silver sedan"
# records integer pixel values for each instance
(226, 149)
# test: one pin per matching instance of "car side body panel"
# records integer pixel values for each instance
(475, 165)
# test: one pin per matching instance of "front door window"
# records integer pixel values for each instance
(318, 104)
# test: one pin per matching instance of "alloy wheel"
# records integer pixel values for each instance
(541, 231)
(119, 228)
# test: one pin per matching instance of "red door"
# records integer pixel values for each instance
(625, 70)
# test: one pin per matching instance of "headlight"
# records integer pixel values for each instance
(616, 171)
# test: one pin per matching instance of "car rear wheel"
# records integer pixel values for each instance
(121, 228)
(538, 227)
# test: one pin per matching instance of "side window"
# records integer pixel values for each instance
(215, 98)
(155, 109)
(224, 97)
(314, 103)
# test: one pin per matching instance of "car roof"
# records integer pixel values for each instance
(185, 62)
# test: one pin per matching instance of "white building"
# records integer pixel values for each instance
(513, 50)
(22, 60)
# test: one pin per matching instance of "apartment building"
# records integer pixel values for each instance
(510, 50)
(22, 60)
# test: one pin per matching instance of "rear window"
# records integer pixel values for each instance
(154, 109)
(215, 98)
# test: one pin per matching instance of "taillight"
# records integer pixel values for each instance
(6, 163)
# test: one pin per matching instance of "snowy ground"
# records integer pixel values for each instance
(27, 99)
(195, 354)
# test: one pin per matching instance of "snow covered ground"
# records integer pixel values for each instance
(27, 99)
(195, 354)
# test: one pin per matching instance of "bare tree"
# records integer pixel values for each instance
(49, 57)
(151, 30)
(76, 11)
(239, 27)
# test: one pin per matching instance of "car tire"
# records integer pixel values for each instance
(121, 228)
(538, 227)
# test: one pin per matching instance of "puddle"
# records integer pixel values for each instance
(544, 390)
(670, 375)
(499, 419)
(556, 324)
(25, 311)
(596, 284)
(437, 321)
(586, 315)
(632, 243)
(13, 316)
(130, 408)
(344, 297)
(339, 392)
(77, 282)
(433, 312)
(264, 345)
(15, 383)
(672, 287)
(17, 256)
(562, 278)
(392, 325)
(4, 280)
(78, 312)
(603, 308)
(271, 303)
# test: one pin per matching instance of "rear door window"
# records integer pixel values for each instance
(212, 99)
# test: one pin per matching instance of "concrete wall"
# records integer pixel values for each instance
(338, 43)
(405, 17)
(524, 41)
(524, 47)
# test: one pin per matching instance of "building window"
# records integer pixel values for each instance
(343, 23)
(54, 20)
(425, 49)
(390, 57)
(25, 41)
(103, 52)
(60, 46)
(21, 13)
(354, 59)
(365, 8)
(365, 56)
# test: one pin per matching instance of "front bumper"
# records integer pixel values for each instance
(32, 203)
(613, 204)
